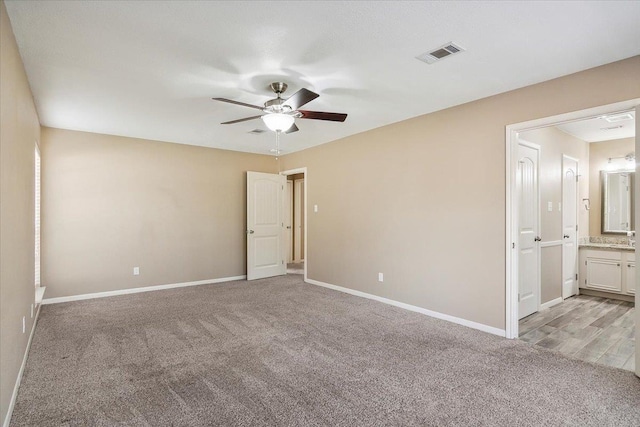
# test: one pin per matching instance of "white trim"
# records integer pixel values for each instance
(293, 171)
(40, 294)
(298, 186)
(138, 290)
(551, 303)
(430, 313)
(511, 131)
(14, 395)
(574, 159)
(304, 171)
(551, 243)
(511, 270)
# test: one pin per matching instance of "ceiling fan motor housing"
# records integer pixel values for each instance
(278, 87)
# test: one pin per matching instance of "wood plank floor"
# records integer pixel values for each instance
(589, 328)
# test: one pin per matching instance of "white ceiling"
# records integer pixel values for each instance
(599, 129)
(148, 69)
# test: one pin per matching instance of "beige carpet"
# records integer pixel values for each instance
(295, 268)
(278, 352)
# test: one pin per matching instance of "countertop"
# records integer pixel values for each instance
(615, 246)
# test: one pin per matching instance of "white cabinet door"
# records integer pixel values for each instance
(631, 278)
(604, 275)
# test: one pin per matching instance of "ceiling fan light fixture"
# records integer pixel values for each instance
(278, 122)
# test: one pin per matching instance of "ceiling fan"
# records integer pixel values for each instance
(280, 114)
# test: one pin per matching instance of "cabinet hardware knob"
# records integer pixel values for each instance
(537, 239)
(566, 236)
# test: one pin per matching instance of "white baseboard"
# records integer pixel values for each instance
(14, 395)
(441, 316)
(40, 294)
(551, 303)
(138, 290)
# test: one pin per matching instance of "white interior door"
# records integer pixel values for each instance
(265, 225)
(298, 216)
(528, 229)
(569, 226)
(288, 220)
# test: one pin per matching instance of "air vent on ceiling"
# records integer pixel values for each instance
(440, 53)
(614, 118)
(257, 131)
(612, 127)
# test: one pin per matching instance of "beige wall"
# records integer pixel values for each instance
(425, 203)
(19, 131)
(553, 145)
(599, 153)
(112, 203)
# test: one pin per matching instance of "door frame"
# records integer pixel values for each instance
(303, 171)
(577, 219)
(298, 205)
(511, 254)
(289, 213)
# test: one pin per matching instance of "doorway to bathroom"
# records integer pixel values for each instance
(295, 220)
(580, 302)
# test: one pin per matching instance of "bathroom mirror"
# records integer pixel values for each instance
(617, 202)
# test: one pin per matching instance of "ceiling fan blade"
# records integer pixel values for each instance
(292, 129)
(319, 115)
(300, 98)
(240, 120)
(230, 101)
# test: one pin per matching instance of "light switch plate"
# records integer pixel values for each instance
(315, 208)
(550, 206)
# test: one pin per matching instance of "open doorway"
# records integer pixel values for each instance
(295, 220)
(571, 244)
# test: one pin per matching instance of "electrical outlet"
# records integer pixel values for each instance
(380, 277)
(136, 271)
(550, 206)
(24, 324)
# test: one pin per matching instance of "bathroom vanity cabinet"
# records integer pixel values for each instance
(608, 270)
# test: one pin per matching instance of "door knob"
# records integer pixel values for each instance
(566, 236)
(250, 231)
(537, 239)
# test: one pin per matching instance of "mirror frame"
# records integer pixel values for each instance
(604, 177)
